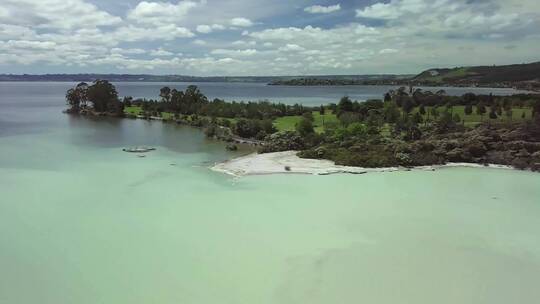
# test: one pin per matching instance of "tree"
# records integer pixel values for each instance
(468, 109)
(304, 127)
(102, 94)
(456, 118)
(536, 112)
(345, 104)
(387, 97)
(165, 94)
(407, 105)
(492, 114)
(390, 112)
(422, 110)
(308, 115)
(321, 110)
(481, 109)
(508, 113)
(77, 97)
(434, 112)
(417, 118)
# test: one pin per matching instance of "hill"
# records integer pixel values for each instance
(481, 75)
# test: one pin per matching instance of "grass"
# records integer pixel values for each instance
(288, 123)
(456, 73)
(476, 119)
(133, 110)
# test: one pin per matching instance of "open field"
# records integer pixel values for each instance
(288, 123)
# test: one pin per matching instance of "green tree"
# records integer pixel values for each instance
(304, 127)
(308, 115)
(468, 109)
(103, 96)
(434, 112)
(481, 109)
(456, 118)
(165, 94)
(345, 104)
(422, 110)
(493, 114)
(391, 112)
(509, 114)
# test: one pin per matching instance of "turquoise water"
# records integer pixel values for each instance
(83, 222)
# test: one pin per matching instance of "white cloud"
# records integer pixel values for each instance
(388, 51)
(234, 53)
(319, 9)
(379, 11)
(161, 52)
(244, 43)
(133, 51)
(205, 29)
(291, 48)
(241, 22)
(199, 42)
(160, 12)
(55, 14)
(162, 32)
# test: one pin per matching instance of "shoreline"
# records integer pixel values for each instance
(277, 162)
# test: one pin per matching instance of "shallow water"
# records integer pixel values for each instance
(83, 222)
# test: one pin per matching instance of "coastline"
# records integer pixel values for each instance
(277, 162)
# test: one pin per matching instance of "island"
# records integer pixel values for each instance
(406, 128)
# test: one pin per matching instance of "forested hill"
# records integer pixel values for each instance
(481, 75)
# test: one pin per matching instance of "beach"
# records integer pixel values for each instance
(287, 162)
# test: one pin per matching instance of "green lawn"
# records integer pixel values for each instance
(134, 110)
(288, 123)
(475, 118)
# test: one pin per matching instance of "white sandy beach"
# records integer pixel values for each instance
(289, 162)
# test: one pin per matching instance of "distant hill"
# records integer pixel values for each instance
(333, 79)
(482, 75)
(340, 80)
(132, 77)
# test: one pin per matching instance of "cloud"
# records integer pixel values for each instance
(101, 36)
(291, 48)
(160, 12)
(234, 53)
(55, 14)
(452, 18)
(133, 33)
(160, 52)
(241, 22)
(133, 51)
(205, 29)
(388, 51)
(319, 9)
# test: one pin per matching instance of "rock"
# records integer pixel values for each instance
(476, 149)
(231, 147)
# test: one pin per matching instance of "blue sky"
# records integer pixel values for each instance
(256, 37)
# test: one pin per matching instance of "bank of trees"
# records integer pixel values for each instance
(101, 96)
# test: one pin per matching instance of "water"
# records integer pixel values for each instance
(83, 222)
(312, 96)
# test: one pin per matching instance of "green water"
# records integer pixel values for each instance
(83, 222)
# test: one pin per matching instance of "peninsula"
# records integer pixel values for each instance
(406, 128)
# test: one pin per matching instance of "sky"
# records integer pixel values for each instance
(264, 37)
